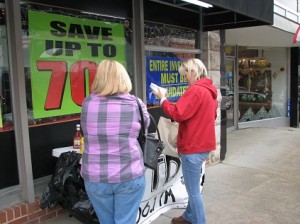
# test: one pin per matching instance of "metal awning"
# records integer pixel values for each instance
(225, 14)
(228, 14)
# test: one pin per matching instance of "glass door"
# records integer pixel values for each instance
(229, 80)
(298, 96)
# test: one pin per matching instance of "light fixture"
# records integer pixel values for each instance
(262, 62)
(199, 3)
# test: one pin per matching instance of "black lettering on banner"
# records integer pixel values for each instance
(92, 34)
(109, 50)
(153, 207)
(71, 46)
(75, 30)
(167, 195)
(58, 30)
(166, 161)
(169, 161)
(56, 48)
(147, 209)
(106, 32)
(139, 215)
(150, 207)
(94, 49)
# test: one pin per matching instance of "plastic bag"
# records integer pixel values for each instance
(67, 167)
(168, 132)
(66, 188)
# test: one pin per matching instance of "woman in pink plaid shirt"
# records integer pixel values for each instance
(112, 162)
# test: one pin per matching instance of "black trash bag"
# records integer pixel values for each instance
(49, 198)
(66, 188)
(75, 199)
(84, 211)
(65, 168)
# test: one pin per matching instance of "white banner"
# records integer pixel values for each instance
(165, 189)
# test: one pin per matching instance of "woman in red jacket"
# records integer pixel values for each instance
(195, 112)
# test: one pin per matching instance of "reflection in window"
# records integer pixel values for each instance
(255, 88)
(5, 95)
(169, 36)
(169, 45)
(229, 99)
(4, 84)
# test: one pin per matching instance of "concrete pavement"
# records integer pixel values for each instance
(257, 183)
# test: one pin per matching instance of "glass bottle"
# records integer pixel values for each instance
(77, 138)
(81, 145)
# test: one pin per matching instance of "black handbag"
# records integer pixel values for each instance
(152, 147)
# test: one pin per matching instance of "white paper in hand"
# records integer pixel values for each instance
(154, 87)
(163, 91)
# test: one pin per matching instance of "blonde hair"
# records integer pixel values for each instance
(195, 67)
(111, 78)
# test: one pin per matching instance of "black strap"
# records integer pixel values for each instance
(142, 120)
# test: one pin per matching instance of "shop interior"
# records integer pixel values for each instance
(257, 78)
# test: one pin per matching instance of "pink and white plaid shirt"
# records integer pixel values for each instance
(110, 127)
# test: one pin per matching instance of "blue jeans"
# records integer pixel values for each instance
(116, 203)
(191, 170)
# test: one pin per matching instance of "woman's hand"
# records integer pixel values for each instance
(160, 93)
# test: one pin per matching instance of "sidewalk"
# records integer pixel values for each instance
(257, 183)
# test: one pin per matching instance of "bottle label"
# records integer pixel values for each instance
(81, 145)
(76, 144)
(77, 138)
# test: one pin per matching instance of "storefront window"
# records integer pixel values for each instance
(8, 160)
(167, 47)
(299, 94)
(61, 51)
(5, 95)
(229, 80)
(258, 99)
(169, 36)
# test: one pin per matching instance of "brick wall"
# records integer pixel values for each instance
(211, 58)
(28, 213)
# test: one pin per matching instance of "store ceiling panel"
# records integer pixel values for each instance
(260, 37)
(226, 14)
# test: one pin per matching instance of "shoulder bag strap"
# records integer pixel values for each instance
(142, 117)
(142, 120)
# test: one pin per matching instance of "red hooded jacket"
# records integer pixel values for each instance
(195, 111)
